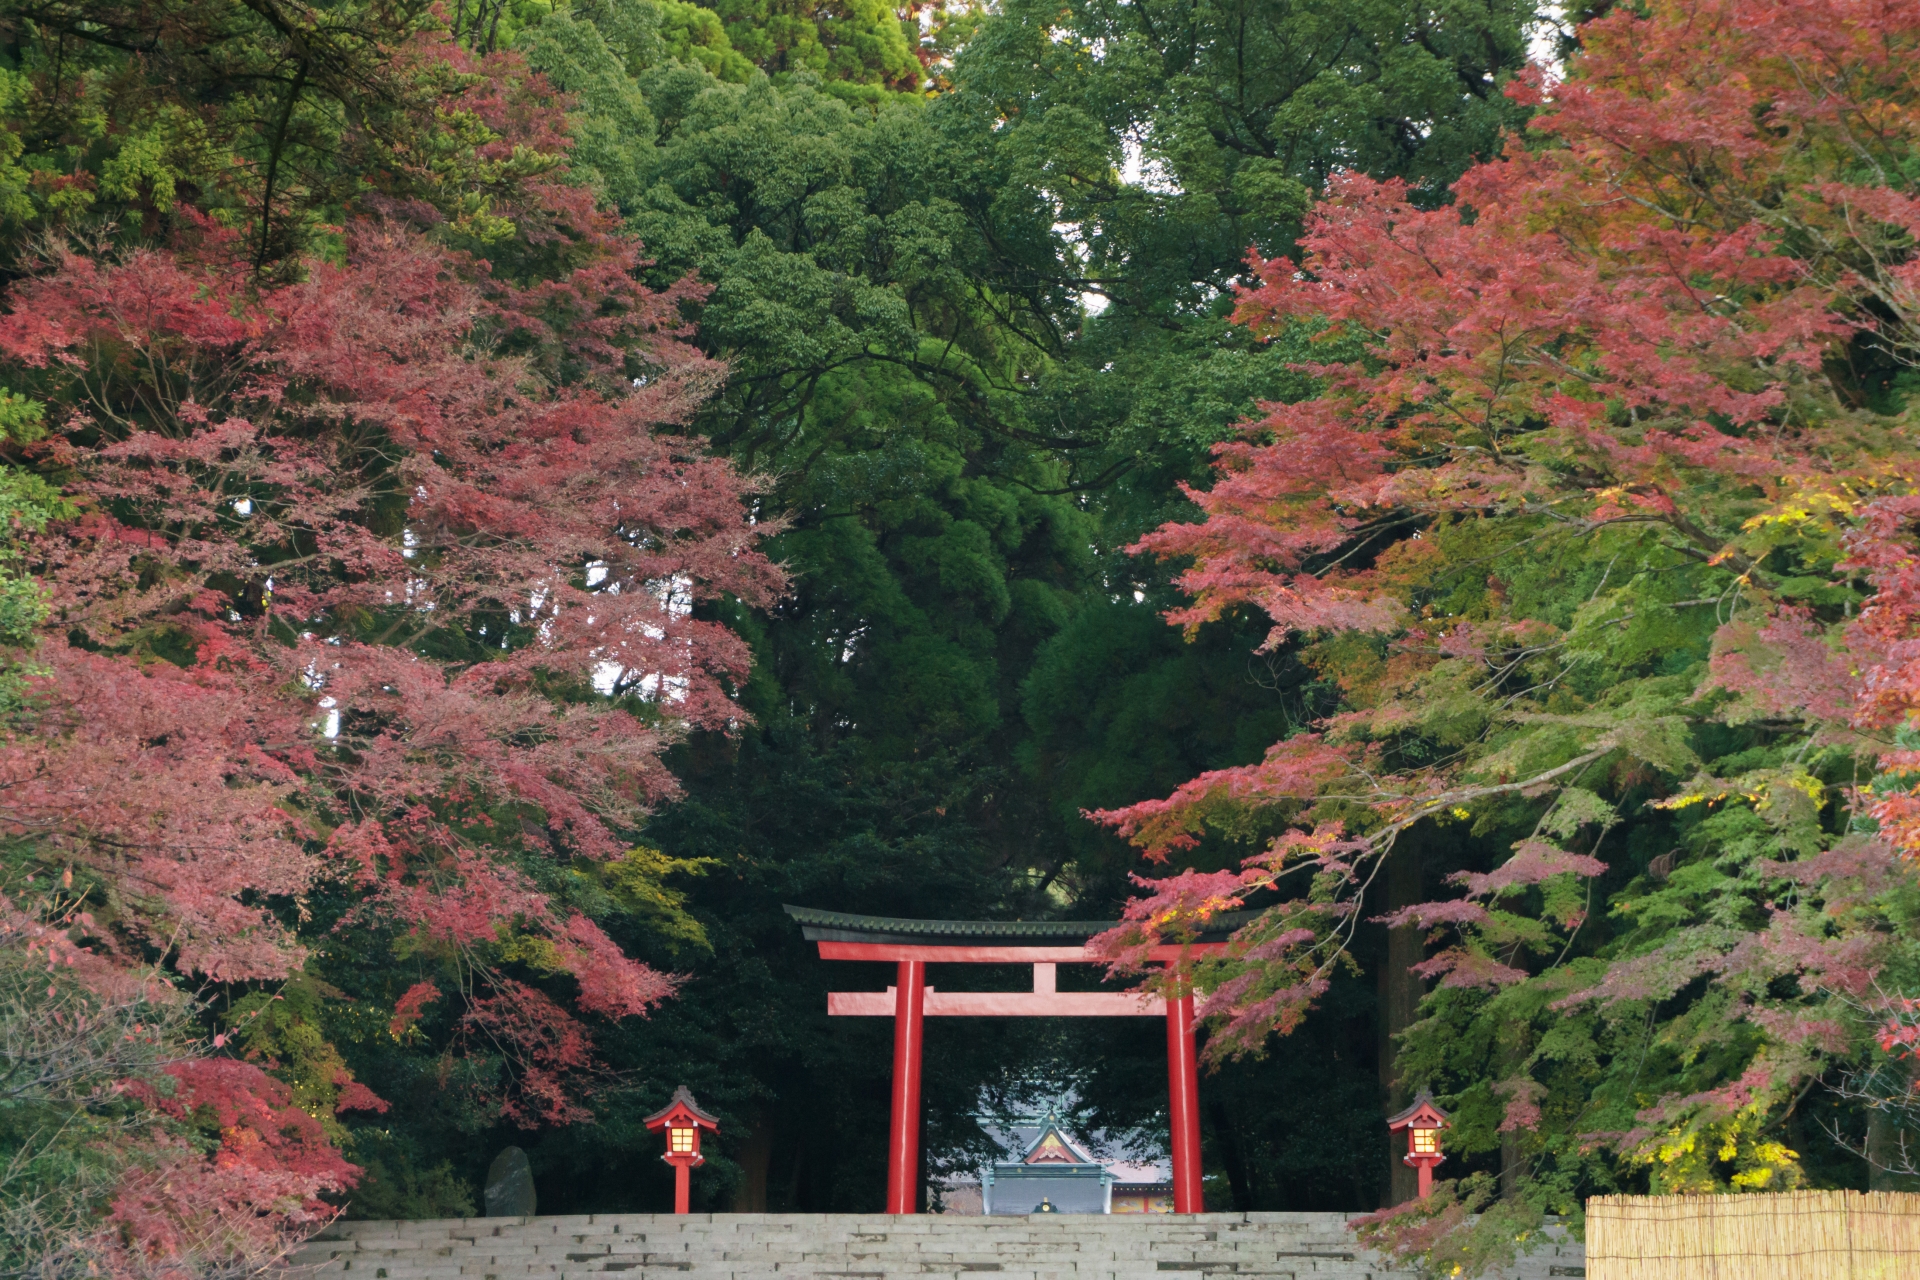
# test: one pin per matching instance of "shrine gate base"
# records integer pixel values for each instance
(911, 945)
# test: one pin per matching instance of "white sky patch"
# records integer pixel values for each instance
(1139, 169)
(1543, 40)
(851, 645)
(1075, 238)
(1073, 235)
(1095, 48)
(667, 688)
(316, 679)
(675, 594)
(927, 16)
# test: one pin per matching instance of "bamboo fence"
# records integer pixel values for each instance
(1797, 1235)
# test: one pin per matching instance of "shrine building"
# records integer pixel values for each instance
(1053, 1171)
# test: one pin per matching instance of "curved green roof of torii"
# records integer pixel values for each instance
(839, 926)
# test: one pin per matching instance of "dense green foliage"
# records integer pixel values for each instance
(977, 350)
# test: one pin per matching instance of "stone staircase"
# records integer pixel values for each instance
(735, 1246)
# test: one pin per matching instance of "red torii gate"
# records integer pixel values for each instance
(1044, 944)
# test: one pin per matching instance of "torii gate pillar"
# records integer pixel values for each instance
(903, 1140)
(912, 944)
(1183, 1106)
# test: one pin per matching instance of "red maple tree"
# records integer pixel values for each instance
(355, 561)
(1632, 329)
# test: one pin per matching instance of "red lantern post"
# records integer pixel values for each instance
(683, 1120)
(1423, 1122)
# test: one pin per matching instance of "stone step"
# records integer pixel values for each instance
(1271, 1246)
(625, 1239)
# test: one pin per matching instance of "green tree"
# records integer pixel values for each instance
(850, 44)
(273, 120)
(960, 437)
(1159, 142)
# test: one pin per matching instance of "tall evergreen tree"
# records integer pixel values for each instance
(977, 342)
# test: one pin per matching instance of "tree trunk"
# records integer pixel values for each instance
(1893, 1153)
(755, 1157)
(1883, 1150)
(1231, 1156)
(1513, 1163)
(796, 1185)
(1893, 1146)
(1400, 991)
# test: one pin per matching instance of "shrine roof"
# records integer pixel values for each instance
(1066, 1151)
(838, 926)
(1132, 1171)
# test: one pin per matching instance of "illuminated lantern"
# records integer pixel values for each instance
(683, 1120)
(1423, 1122)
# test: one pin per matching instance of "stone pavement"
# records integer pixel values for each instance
(795, 1246)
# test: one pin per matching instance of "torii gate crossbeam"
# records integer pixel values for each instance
(911, 945)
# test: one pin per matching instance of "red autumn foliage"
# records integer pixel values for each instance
(1627, 325)
(226, 507)
(1900, 1033)
(1275, 989)
(1784, 667)
(545, 1044)
(258, 1125)
(356, 557)
(245, 1191)
(407, 1010)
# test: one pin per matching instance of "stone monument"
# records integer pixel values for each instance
(510, 1185)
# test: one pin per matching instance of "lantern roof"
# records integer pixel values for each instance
(839, 926)
(681, 1107)
(1423, 1114)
